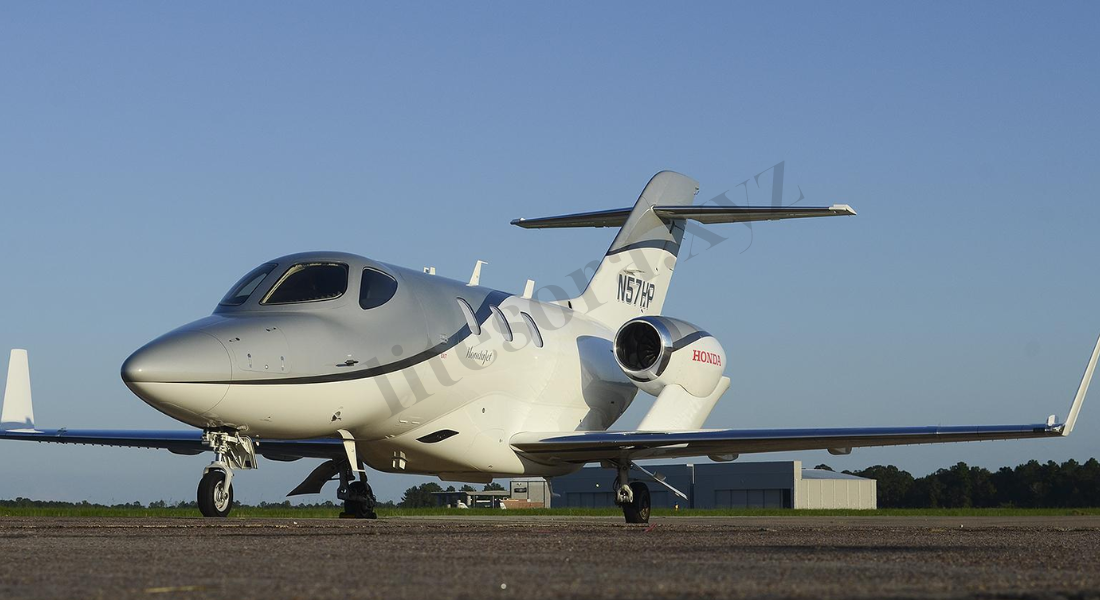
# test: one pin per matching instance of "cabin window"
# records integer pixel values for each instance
(536, 335)
(241, 290)
(376, 288)
(502, 323)
(309, 282)
(471, 319)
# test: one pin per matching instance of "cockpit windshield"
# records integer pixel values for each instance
(309, 282)
(241, 290)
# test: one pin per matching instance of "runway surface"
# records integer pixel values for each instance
(552, 557)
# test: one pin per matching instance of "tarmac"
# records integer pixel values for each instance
(552, 557)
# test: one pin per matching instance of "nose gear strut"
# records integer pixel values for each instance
(231, 451)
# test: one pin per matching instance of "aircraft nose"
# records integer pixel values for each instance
(179, 357)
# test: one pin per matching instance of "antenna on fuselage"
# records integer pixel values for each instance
(429, 270)
(475, 278)
(529, 289)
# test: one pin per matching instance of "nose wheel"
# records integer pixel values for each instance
(231, 451)
(215, 494)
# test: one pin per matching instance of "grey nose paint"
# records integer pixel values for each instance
(179, 356)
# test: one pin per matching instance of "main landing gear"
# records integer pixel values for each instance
(358, 497)
(631, 496)
(231, 451)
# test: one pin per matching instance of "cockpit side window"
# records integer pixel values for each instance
(241, 290)
(309, 282)
(376, 289)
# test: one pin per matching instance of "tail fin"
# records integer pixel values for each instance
(633, 277)
(17, 412)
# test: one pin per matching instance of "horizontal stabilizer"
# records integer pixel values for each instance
(614, 217)
(742, 214)
(704, 214)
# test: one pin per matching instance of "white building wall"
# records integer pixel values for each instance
(836, 493)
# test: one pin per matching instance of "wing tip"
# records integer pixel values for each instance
(17, 411)
(1082, 390)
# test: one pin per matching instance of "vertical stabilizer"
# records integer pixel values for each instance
(17, 412)
(633, 277)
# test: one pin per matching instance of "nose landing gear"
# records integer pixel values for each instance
(231, 451)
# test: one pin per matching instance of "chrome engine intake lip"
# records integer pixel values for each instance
(642, 347)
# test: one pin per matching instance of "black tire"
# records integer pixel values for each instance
(638, 509)
(361, 506)
(213, 502)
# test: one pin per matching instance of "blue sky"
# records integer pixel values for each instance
(151, 153)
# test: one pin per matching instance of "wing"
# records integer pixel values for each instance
(725, 444)
(719, 443)
(176, 441)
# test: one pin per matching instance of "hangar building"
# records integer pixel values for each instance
(726, 485)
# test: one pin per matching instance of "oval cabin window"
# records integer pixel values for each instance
(471, 319)
(536, 335)
(502, 323)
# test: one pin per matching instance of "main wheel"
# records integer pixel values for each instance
(360, 502)
(215, 497)
(638, 509)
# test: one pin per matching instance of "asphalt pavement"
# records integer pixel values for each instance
(552, 557)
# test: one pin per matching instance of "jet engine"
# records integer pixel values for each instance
(655, 352)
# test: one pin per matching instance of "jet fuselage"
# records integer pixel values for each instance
(435, 378)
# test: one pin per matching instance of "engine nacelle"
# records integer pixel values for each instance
(658, 351)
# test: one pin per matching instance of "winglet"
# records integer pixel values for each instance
(17, 412)
(1079, 399)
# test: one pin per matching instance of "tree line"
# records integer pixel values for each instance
(422, 496)
(1030, 485)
